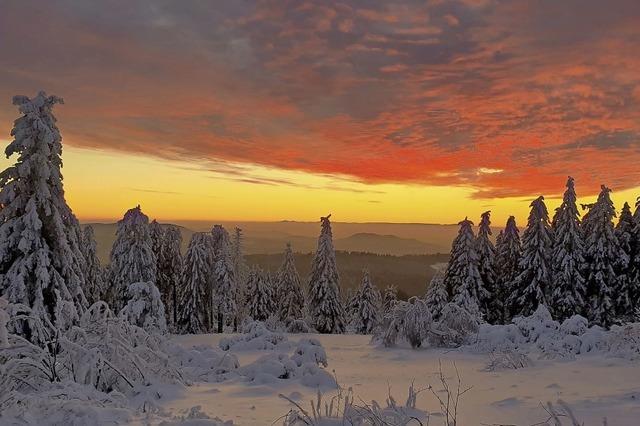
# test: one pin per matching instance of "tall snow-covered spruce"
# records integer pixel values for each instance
(224, 280)
(365, 315)
(194, 284)
(462, 276)
(602, 254)
(132, 257)
(625, 301)
(508, 252)
(568, 289)
(534, 277)
(41, 263)
(290, 297)
(94, 274)
(491, 306)
(169, 271)
(325, 309)
(259, 295)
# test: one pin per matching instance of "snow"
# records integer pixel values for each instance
(594, 386)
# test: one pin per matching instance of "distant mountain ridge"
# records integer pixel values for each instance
(271, 237)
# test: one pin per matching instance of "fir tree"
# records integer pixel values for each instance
(259, 296)
(625, 233)
(291, 298)
(324, 308)
(224, 282)
(366, 314)
(194, 282)
(491, 306)
(144, 308)
(132, 257)
(534, 277)
(436, 297)
(170, 269)
(567, 260)
(41, 263)
(508, 253)
(602, 254)
(634, 260)
(94, 274)
(241, 272)
(462, 277)
(389, 300)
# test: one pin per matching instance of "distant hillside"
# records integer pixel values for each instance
(407, 263)
(410, 273)
(271, 237)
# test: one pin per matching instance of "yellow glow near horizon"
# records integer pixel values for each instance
(102, 185)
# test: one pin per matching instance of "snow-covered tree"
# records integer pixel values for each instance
(241, 272)
(436, 297)
(508, 252)
(224, 280)
(462, 277)
(132, 257)
(568, 289)
(324, 307)
(259, 296)
(634, 260)
(366, 310)
(41, 262)
(195, 280)
(602, 254)
(94, 274)
(144, 308)
(4, 320)
(170, 270)
(492, 306)
(534, 277)
(389, 299)
(626, 290)
(291, 298)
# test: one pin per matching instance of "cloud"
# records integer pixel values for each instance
(438, 93)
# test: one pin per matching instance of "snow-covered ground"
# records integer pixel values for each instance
(594, 386)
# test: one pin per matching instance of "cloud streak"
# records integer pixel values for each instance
(408, 92)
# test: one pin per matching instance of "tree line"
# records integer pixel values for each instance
(587, 266)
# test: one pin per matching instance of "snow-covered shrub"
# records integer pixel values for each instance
(256, 337)
(299, 326)
(304, 364)
(202, 363)
(144, 308)
(410, 321)
(508, 360)
(454, 327)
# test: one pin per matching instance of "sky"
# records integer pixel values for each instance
(388, 111)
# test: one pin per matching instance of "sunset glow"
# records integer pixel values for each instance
(406, 112)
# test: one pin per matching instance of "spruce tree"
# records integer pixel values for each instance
(194, 282)
(602, 254)
(508, 253)
(170, 269)
(436, 297)
(389, 300)
(325, 309)
(534, 277)
(491, 306)
(625, 233)
(224, 281)
(94, 274)
(291, 298)
(634, 260)
(241, 272)
(462, 276)
(144, 308)
(41, 263)
(568, 289)
(132, 257)
(259, 296)
(366, 313)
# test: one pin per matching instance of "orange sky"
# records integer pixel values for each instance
(403, 111)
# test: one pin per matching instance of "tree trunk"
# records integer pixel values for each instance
(220, 322)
